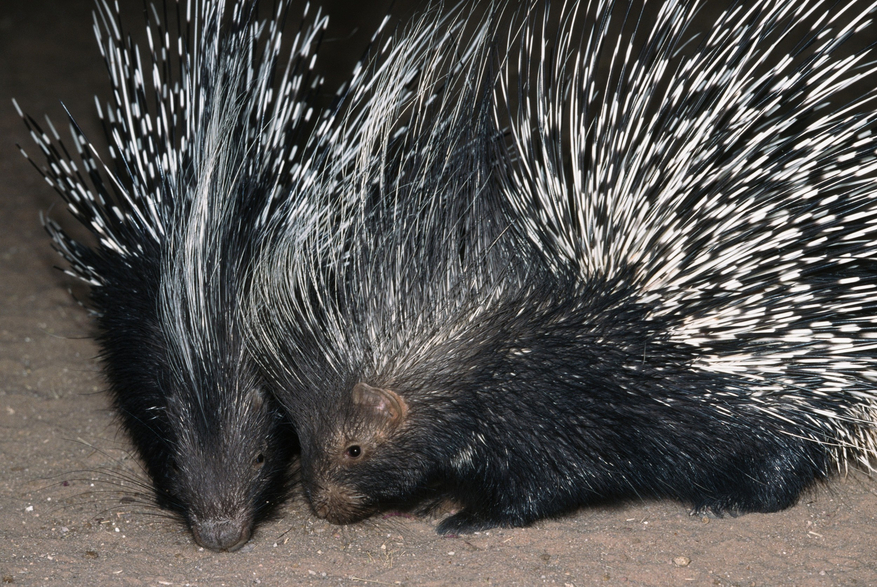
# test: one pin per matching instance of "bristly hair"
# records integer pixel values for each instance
(418, 247)
(405, 184)
(204, 139)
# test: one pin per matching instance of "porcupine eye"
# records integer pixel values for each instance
(353, 451)
(259, 460)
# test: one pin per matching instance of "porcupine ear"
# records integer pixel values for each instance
(383, 403)
(256, 396)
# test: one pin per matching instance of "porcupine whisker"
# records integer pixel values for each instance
(132, 485)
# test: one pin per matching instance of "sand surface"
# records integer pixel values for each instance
(76, 509)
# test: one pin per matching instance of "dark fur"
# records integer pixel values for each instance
(213, 442)
(571, 399)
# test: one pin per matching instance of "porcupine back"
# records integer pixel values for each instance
(728, 196)
(202, 141)
(703, 331)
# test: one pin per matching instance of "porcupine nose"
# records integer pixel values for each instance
(321, 509)
(334, 505)
(221, 535)
(325, 512)
(325, 509)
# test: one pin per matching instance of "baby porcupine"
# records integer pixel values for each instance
(660, 283)
(202, 140)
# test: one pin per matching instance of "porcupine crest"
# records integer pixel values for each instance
(203, 142)
(704, 330)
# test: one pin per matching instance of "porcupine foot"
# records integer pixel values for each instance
(505, 513)
(467, 521)
(771, 484)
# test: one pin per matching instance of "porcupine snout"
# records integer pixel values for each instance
(222, 534)
(220, 521)
(336, 504)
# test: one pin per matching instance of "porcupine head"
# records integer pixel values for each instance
(354, 457)
(416, 434)
(223, 466)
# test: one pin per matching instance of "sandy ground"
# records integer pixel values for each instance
(75, 509)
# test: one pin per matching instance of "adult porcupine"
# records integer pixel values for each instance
(202, 139)
(700, 325)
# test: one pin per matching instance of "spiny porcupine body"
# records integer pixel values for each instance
(660, 283)
(202, 139)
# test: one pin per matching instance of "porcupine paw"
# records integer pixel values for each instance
(762, 495)
(742, 502)
(465, 522)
